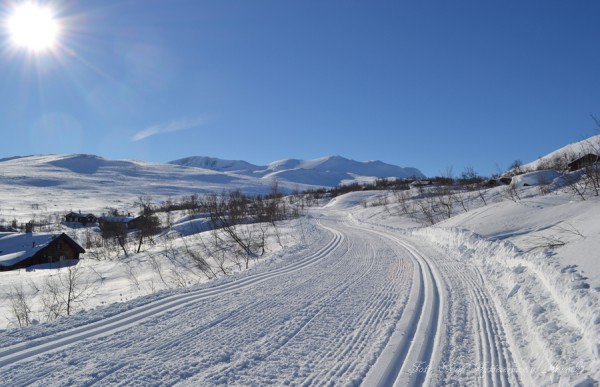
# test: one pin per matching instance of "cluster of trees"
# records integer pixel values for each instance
(446, 196)
(226, 211)
(240, 226)
(60, 295)
(379, 184)
(443, 197)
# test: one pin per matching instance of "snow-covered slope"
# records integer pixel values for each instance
(216, 164)
(325, 171)
(80, 181)
(91, 183)
(505, 290)
(357, 299)
(567, 153)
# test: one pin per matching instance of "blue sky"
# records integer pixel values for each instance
(428, 84)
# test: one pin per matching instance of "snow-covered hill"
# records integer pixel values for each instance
(32, 186)
(79, 181)
(567, 154)
(216, 164)
(325, 171)
(59, 183)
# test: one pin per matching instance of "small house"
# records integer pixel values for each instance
(584, 161)
(111, 221)
(421, 183)
(20, 250)
(74, 217)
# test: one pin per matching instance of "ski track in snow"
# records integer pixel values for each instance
(367, 306)
(410, 354)
(320, 320)
(481, 356)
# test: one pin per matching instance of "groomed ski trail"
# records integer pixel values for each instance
(362, 305)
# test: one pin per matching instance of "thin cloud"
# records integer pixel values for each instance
(173, 126)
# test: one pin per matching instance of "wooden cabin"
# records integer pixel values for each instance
(21, 250)
(584, 161)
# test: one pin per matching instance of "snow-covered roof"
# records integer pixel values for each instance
(15, 247)
(535, 178)
(79, 214)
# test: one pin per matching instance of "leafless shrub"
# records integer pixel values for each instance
(547, 242)
(197, 259)
(545, 186)
(445, 199)
(570, 229)
(428, 208)
(20, 306)
(577, 184)
(558, 163)
(515, 168)
(157, 267)
(132, 274)
(481, 191)
(406, 206)
(178, 278)
(512, 192)
(63, 292)
(557, 239)
(592, 175)
(52, 299)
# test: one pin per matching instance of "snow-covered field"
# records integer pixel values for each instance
(502, 292)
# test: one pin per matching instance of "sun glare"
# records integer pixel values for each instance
(33, 27)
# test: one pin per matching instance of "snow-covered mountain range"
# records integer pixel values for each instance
(80, 181)
(325, 171)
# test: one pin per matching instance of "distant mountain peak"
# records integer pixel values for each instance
(323, 171)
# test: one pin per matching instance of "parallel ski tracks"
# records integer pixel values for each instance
(413, 354)
(495, 364)
(326, 309)
(125, 320)
(348, 335)
(409, 358)
(342, 315)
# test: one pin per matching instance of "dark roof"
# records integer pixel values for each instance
(588, 157)
(16, 247)
(117, 219)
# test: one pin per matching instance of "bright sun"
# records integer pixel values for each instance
(33, 27)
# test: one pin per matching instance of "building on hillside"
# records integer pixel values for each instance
(21, 250)
(495, 182)
(120, 225)
(108, 221)
(74, 217)
(584, 161)
(420, 183)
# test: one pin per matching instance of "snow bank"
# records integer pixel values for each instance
(192, 226)
(553, 313)
(536, 178)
